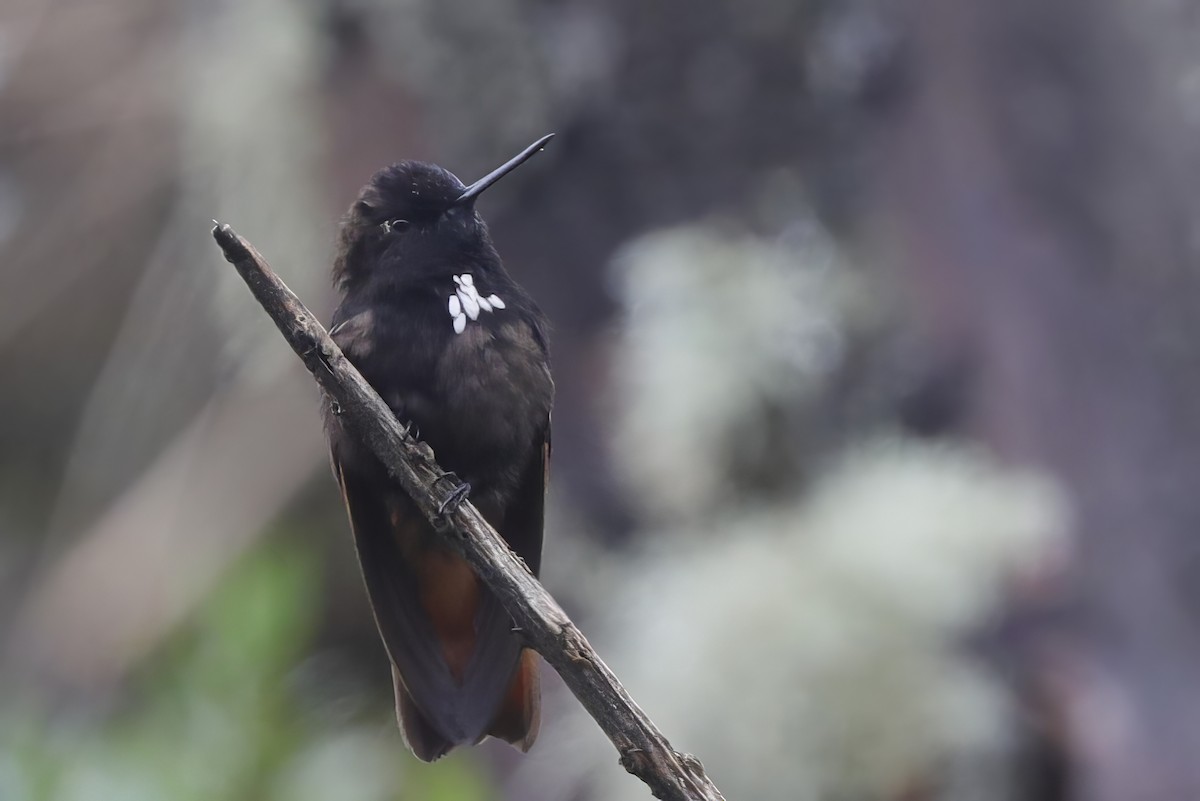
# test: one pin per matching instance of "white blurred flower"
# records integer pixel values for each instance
(809, 651)
(718, 333)
(348, 765)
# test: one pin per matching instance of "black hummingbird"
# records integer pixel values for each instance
(458, 350)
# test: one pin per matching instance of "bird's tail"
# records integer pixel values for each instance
(519, 717)
(517, 721)
(421, 736)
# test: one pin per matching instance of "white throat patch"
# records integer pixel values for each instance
(467, 302)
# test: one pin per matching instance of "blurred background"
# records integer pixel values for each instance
(876, 344)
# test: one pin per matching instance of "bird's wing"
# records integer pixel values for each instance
(519, 716)
(408, 634)
(525, 517)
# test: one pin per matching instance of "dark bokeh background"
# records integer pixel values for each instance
(876, 347)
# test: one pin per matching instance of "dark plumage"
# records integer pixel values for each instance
(455, 347)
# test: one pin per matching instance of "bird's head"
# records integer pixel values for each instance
(415, 220)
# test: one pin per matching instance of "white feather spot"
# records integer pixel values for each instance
(466, 302)
(470, 305)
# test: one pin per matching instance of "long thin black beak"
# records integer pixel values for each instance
(476, 189)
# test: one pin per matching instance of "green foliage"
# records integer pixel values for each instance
(219, 714)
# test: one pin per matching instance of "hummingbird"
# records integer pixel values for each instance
(458, 351)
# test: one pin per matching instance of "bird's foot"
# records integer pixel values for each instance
(411, 429)
(454, 500)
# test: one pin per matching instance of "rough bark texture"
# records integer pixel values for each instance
(644, 751)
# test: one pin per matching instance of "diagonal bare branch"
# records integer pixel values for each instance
(643, 750)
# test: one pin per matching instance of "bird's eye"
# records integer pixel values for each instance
(394, 226)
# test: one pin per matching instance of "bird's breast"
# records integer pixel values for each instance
(465, 366)
(495, 386)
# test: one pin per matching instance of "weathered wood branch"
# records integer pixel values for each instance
(643, 750)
